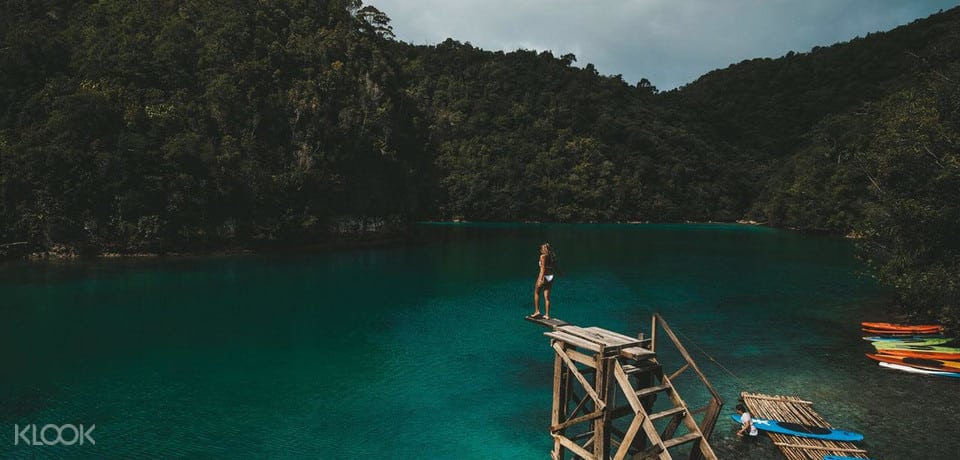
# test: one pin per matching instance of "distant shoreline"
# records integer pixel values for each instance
(343, 240)
(69, 252)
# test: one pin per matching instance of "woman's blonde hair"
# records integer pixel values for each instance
(552, 255)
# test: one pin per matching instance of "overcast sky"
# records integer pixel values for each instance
(669, 42)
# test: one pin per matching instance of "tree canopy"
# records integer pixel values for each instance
(190, 124)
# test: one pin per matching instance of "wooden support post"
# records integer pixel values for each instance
(706, 427)
(653, 333)
(601, 438)
(560, 393)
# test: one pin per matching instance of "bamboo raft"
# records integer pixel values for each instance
(796, 410)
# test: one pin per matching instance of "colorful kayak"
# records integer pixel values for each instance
(898, 335)
(917, 351)
(919, 354)
(909, 339)
(892, 327)
(914, 347)
(922, 363)
(915, 370)
(801, 430)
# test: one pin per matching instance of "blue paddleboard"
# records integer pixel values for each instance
(837, 457)
(805, 431)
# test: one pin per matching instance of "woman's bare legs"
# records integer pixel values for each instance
(546, 302)
(536, 301)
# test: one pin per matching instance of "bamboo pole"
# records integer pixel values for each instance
(775, 398)
(830, 448)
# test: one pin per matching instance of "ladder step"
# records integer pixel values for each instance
(689, 437)
(667, 413)
(651, 452)
(630, 369)
(651, 390)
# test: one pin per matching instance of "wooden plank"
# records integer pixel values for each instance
(689, 437)
(611, 341)
(709, 419)
(679, 371)
(615, 338)
(560, 392)
(628, 437)
(582, 358)
(601, 438)
(627, 388)
(585, 334)
(551, 323)
(574, 340)
(646, 367)
(574, 421)
(578, 331)
(581, 437)
(651, 390)
(653, 331)
(668, 412)
(580, 405)
(637, 353)
(655, 451)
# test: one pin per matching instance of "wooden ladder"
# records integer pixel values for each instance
(660, 442)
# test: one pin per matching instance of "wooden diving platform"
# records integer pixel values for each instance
(612, 399)
(596, 339)
(796, 410)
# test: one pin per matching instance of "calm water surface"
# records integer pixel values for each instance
(419, 350)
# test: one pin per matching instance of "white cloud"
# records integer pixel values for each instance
(669, 42)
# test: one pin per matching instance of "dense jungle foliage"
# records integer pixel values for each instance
(167, 125)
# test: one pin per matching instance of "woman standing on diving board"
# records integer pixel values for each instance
(548, 264)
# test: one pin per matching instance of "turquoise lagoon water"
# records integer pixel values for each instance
(419, 349)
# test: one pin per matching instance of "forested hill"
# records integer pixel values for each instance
(772, 103)
(165, 125)
(769, 113)
(528, 136)
(194, 124)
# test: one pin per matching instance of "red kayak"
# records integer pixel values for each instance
(901, 328)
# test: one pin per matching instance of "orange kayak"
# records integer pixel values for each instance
(919, 354)
(920, 363)
(900, 328)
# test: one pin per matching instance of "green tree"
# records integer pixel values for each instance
(912, 219)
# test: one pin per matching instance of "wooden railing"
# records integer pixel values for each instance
(711, 411)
